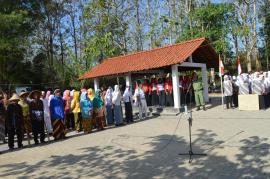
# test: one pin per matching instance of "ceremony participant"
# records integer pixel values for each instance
(14, 121)
(46, 110)
(67, 109)
(169, 91)
(235, 87)
(109, 106)
(27, 124)
(140, 101)
(57, 115)
(228, 91)
(161, 92)
(145, 87)
(2, 118)
(75, 107)
(116, 100)
(258, 88)
(243, 85)
(90, 94)
(37, 116)
(153, 91)
(198, 92)
(87, 113)
(99, 113)
(127, 97)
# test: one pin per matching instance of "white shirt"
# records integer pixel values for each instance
(127, 96)
(139, 92)
(116, 98)
(257, 86)
(228, 90)
(160, 87)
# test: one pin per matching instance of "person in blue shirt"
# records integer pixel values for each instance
(86, 111)
(57, 115)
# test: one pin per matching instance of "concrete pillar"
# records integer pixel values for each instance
(205, 82)
(128, 80)
(176, 91)
(96, 83)
(190, 59)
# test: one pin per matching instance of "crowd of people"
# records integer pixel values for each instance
(247, 83)
(35, 114)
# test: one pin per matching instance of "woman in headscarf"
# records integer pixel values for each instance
(109, 107)
(37, 116)
(99, 110)
(127, 96)
(116, 100)
(67, 109)
(86, 111)
(26, 115)
(75, 107)
(90, 94)
(47, 116)
(57, 115)
(2, 118)
(14, 121)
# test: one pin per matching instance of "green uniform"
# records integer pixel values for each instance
(198, 92)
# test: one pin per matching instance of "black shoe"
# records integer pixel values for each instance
(204, 108)
(36, 142)
(198, 108)
(11, 148)
(20, 146)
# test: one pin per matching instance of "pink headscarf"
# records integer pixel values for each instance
(83, 90)
(66, 95)
(48, 95)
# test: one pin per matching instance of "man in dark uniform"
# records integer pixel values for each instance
(198, 92)
(14, 122)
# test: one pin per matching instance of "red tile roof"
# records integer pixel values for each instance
(145, 60)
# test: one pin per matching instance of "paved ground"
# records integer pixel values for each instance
(237, 145)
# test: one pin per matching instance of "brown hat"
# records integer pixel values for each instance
(57, 91)
(23, 94)
(14, 97)
(31, 95)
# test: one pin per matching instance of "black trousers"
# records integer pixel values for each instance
(147, 98)
(155, 100)
(38, 129)
(169, 99)
(11, 133)
(235, 100)
(70, 121)
(262, 102)
(162, 98)
(128, 112)
(228, 101)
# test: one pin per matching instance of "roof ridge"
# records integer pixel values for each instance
(158, 48)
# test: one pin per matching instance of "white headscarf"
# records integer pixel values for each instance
(116, 96)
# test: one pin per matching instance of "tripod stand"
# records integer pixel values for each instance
(190, 152)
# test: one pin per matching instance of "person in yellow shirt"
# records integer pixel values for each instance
(27, 125)
(90, 94)
(75, 107)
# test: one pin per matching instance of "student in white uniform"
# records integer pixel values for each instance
(228, 91)
(140, 100)
(127, 96)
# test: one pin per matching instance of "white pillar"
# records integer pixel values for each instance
(175, 81)
(190, 59)
(96, 83)
(128, 80)
(205, 83)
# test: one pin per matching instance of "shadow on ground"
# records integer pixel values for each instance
(161, 160)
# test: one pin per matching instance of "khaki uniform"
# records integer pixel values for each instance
(198, 92)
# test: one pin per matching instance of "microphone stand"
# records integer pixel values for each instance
(190, 119)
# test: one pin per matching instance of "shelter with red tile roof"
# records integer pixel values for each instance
(196, 53)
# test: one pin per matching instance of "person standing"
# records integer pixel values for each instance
(90, 94)
(75, 107)
(169, 91)
(14, 121)
(57, 115)
(228, 91)
(86, 111)
(116, 100)
(198, 92)
(243, 85)
(153, 91)
(47, 116)
(37, 116)
(2, 118)
(145, 87)
(161, 92)
(140, 100)
(109, 106)
(67, 109)
(258, 88)
(99, 113)
(235, 87)
(27, 124)
(127, 96)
